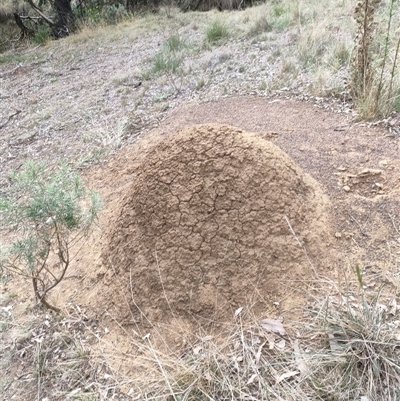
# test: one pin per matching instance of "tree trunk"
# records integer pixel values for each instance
(25, 31)
(65, 22)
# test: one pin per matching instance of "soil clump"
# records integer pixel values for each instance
(216, 218)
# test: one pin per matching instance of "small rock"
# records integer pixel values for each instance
(346, 188)
(370, 171)
(383, 163)
(338, 235)
(348, 235)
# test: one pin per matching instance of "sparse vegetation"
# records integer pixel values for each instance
(44, 209)
(170, 57)
(374, 81)
(260, 25)
(42, 35)
(361, 358)
(217, 32)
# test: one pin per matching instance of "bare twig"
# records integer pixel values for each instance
(40, 12)
(359, 226)
(17, 112)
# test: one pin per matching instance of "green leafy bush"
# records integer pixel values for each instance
(42, 35)
(48, 211)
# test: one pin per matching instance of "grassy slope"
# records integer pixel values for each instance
(299, 47)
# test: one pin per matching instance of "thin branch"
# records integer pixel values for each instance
(40, 12)
(359, 226)
(13, 114)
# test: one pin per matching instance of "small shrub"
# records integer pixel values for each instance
(90, 14)
(362, 356)
(166, 62)
(260, 26)
(280, 17)
(200, 84)
(312, 47)
(174, 43)
(170, 57)
(341, 55)
(42, 35)
(373, 79)
(278, 10)
(263, 86)
(216, 32)
(114, 13)
(45, 211)
(9, 31)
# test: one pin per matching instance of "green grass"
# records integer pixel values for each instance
(170, 57)
(9, 57)
(217, 32)
(42, 35)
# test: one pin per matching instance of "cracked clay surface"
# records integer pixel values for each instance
(208, 226)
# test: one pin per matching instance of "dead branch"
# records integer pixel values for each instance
(40, 12)
(25, 31)
(10, 116)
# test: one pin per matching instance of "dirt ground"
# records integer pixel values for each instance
(357, 168)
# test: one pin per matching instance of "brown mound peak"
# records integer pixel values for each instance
(208, 223)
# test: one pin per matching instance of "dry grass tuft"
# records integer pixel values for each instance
(374, 80)
(251, 361)
(346, 347)
(360, 357)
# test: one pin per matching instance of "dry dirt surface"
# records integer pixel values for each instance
(356, 167)
(209, 225)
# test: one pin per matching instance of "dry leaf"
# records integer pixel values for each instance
(237, 311)
(280, 344)
(393, 307)
(287, 375)
(274, 326)
(197, 350)
(71, 394)
(301, 364)
(258, 355)
(252, 378)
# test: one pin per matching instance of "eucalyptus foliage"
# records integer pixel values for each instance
(48, 211)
